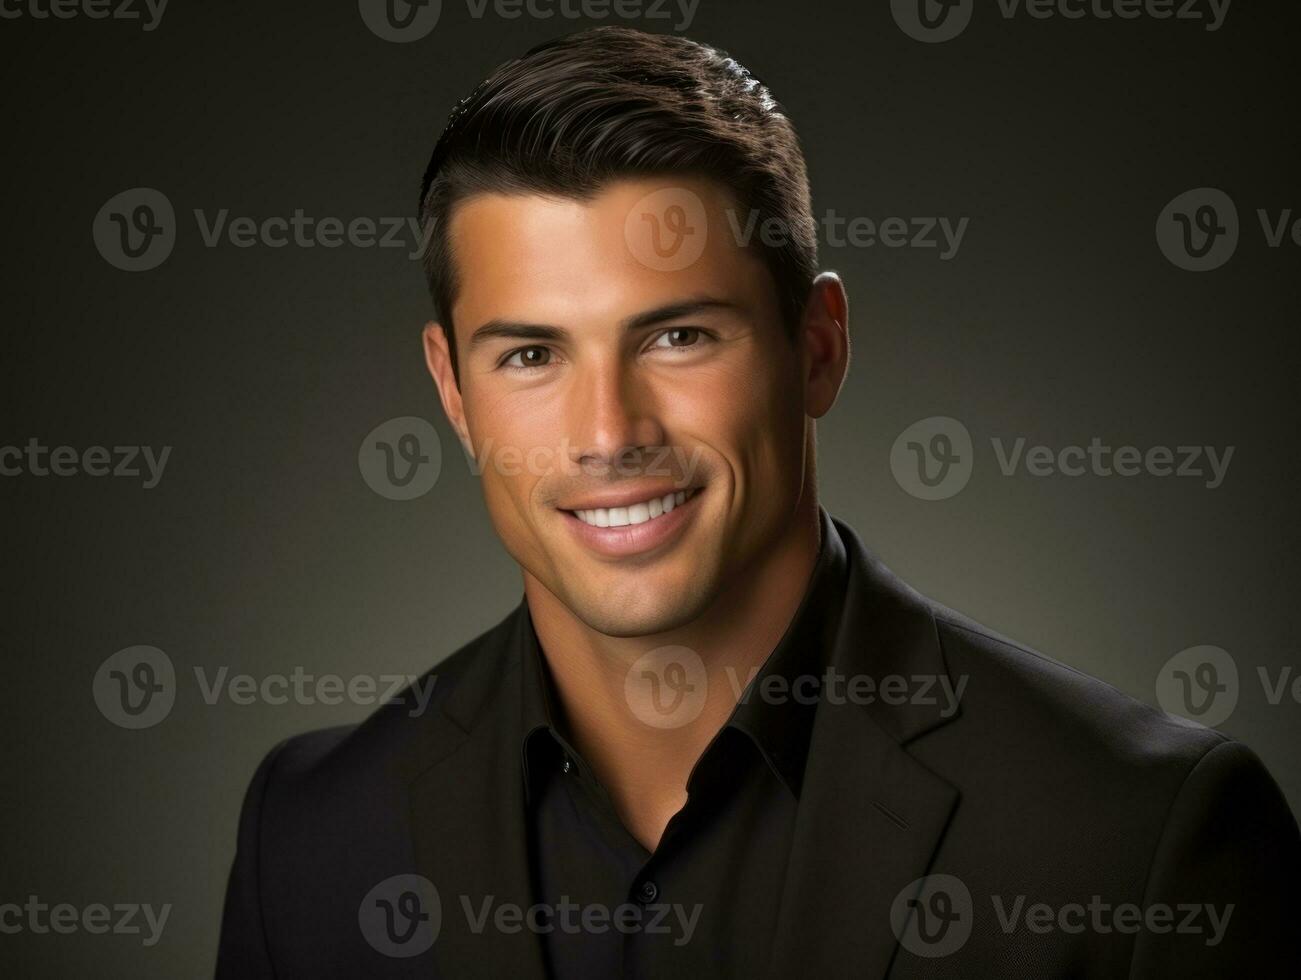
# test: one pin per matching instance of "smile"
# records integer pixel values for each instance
(638, 513)
(641, 529)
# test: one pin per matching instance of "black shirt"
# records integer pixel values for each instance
(706, 901)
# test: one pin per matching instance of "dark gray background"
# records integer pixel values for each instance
(263, 549)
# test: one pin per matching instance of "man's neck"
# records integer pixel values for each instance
(645, 768)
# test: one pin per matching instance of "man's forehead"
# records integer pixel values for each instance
(601, 252)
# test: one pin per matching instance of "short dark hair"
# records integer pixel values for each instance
(579, 111)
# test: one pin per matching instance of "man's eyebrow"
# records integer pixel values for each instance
(516, 330)
(675, 311)
(512, 330)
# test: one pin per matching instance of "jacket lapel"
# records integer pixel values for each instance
(870, 815)
(468, 817)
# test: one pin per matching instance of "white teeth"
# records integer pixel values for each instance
(632, 514)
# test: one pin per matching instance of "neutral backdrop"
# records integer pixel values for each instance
(263, 549)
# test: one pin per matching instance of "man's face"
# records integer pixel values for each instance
(633, 400)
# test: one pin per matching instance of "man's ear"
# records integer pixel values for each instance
(825, 341)
(438, 358)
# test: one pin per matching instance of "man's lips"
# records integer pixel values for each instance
(639, 526)
(624, 495)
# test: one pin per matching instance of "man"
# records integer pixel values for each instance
(717, 737)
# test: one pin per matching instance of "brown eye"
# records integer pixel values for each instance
(527, 357)
(678, 337)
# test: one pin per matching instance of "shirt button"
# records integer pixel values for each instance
(648, 892)
(565, 766)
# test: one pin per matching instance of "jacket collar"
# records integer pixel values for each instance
(779, 728)
(869, 820)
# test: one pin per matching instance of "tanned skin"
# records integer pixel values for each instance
(582, 359)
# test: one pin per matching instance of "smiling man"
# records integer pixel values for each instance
(716, 737)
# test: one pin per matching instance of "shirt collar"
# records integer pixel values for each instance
(775, 710)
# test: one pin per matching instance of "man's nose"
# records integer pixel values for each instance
(613, 418)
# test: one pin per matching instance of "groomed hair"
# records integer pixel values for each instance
(580, 111)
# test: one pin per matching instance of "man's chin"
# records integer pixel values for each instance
(637, 609)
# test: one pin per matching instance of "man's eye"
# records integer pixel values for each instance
(678, 337)
(528, 357)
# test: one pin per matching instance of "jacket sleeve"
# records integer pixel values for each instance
(243, 952)
(1227, 865)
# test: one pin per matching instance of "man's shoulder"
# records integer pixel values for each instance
(1022, 705)
(1066, 745)
(429, 713)
(1033, 695)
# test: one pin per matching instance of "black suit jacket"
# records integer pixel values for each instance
(990, 841)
